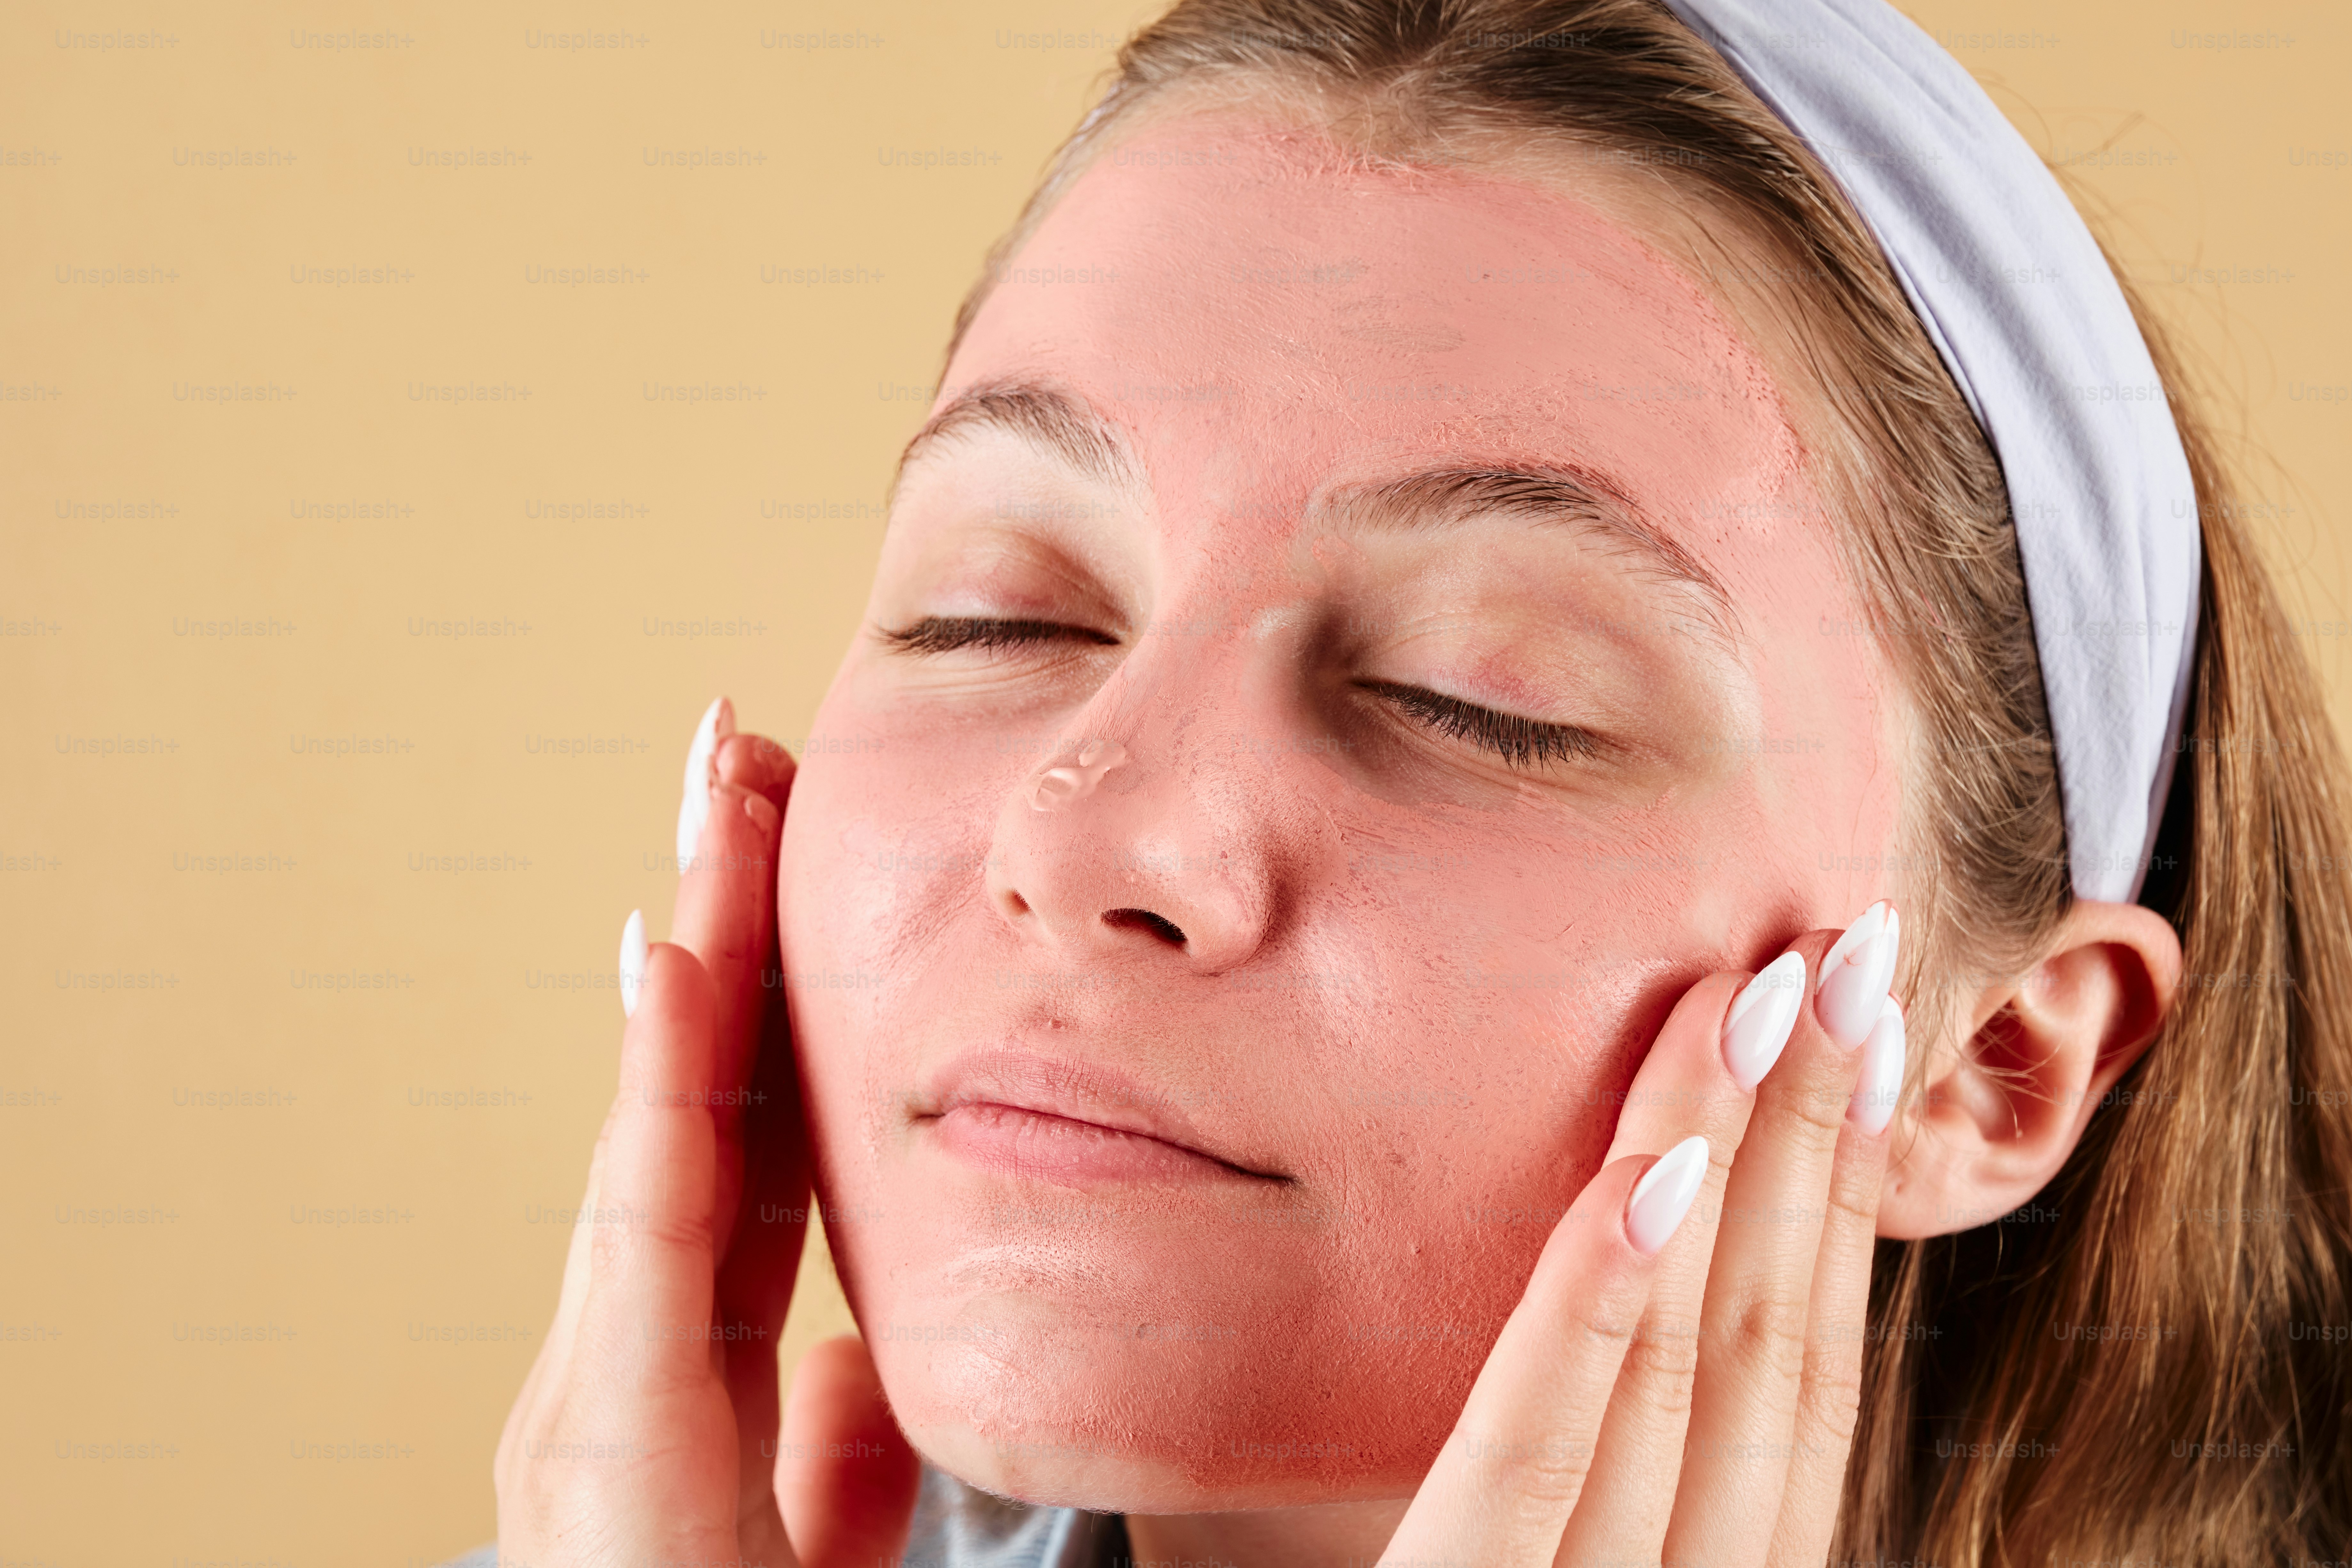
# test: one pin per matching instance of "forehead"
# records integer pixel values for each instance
(1262, 313)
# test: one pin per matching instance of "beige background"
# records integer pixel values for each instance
(258, 1304)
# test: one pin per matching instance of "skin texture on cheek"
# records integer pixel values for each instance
(1425, 1014)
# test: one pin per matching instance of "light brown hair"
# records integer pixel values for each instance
(2051, 1387)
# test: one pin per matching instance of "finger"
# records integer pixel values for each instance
(769, 1225)
(726, 913)
(633, 1435)
(651, 1280)
(846, 1474)
(1757, 1304)
(1830, 1391)
(1512, 1470)
(761, 1263)
(726, 917)
(1687, 1084)
(755, 773)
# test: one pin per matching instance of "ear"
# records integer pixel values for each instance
(2000, 1117)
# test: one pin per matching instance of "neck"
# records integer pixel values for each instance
(1326, 1535)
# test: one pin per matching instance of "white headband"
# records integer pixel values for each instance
(2029, 321)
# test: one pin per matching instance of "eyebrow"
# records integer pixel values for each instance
(1061, 425)
(1068, 429)
(1579, 498)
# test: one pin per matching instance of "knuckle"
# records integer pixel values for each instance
(1828, 1411)
(1765, 1333)
(673, 1231)
(1542, 1476)
(631, 1233)
(1811, 1116)
(1662, 1365)
(1854, 1208)
(1831, 1401)
(650, 1237)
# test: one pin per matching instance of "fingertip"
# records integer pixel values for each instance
(756, 764)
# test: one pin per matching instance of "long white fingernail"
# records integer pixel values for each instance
(1761, 1015)
(1855, 975)
(694, 799)
(1881, 1088)
(1663, 1195)
(635, 955)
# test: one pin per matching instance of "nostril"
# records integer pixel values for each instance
(1144, 919)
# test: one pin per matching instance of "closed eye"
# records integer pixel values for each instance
(946, 634)
(1520, 742)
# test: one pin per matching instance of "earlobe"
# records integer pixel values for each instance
(1998, 1118)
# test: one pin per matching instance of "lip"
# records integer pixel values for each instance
(1021, 1113)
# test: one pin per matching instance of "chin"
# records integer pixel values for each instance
(1098, 1395)
(1055, 1462)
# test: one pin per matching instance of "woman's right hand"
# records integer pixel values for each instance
(1696, 1401)
(647, 1432)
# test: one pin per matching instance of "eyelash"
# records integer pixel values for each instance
(945, 634)
(1520, 742)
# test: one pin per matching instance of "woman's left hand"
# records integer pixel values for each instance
(1696, 1406)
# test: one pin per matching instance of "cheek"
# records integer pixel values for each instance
(892, 825)
(864, 853)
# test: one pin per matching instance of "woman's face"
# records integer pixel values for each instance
(1353, 648)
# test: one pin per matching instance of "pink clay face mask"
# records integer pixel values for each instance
(1206, 1004)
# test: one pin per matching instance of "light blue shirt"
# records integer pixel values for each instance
(956, 1526)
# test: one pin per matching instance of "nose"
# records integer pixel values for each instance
(1140, 848)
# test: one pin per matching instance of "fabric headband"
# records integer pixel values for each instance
(2031, 325)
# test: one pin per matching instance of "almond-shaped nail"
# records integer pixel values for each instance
(1663, 1195)
(694, 797)
(635, 955)
(1881, 1088)
(1761, 1015)
(1855, 975)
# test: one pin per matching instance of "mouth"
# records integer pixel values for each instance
(1015, 1113)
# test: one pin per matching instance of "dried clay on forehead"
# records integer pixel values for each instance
(1389, 298)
